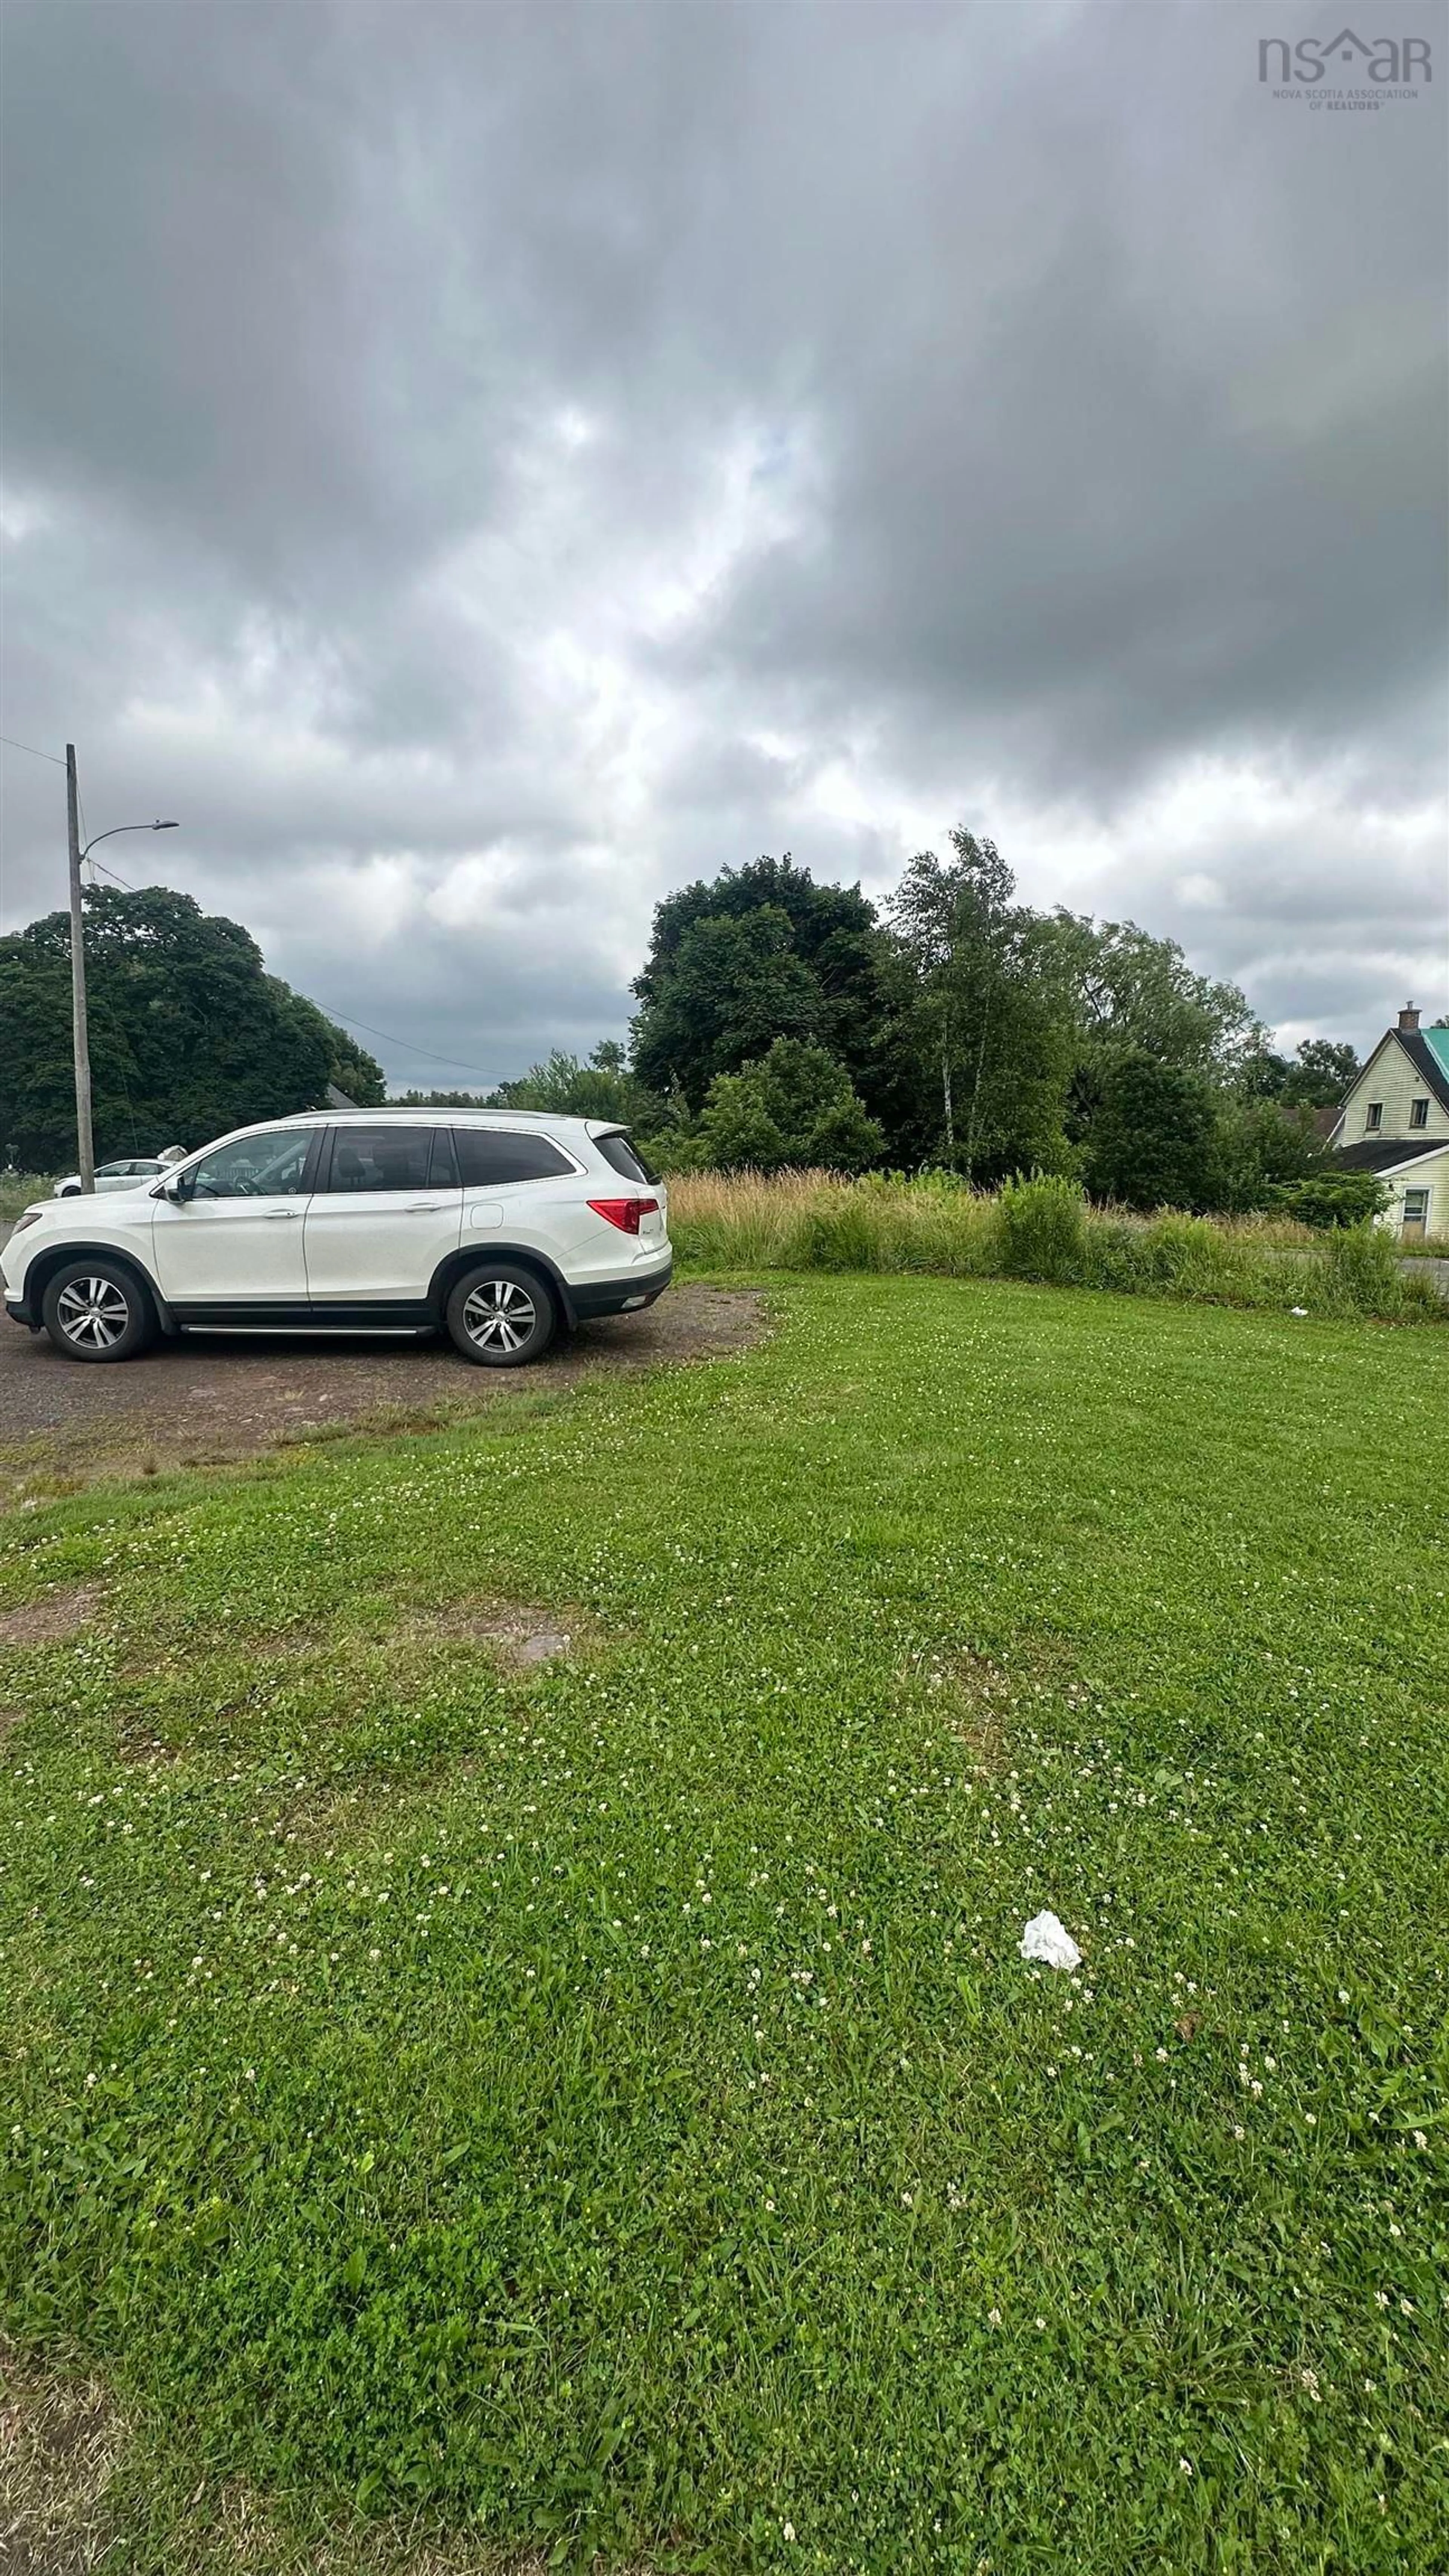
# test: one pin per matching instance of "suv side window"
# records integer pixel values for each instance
(254, 1167)
(623, 1156)
(487, 1157)
(380, 1158)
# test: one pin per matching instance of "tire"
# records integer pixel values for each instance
(501, 1315)
(97, 1309)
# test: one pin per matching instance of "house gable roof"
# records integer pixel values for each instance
(1426, 1063)
(1437, 1042)
(1430, 1063)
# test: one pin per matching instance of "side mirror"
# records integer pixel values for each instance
(177, 1188)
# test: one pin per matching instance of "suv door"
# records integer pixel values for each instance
(522, 1187)
(387, 1209)
(235, 1239)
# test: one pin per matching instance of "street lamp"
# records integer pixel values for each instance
(85, 1144)
(127, 827)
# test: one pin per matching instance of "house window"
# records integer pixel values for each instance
(1418, 1113)
(1416, 1207)
(1373, 1117)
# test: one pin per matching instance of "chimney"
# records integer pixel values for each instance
(1408, 1020)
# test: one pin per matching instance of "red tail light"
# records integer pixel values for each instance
(625, 1213)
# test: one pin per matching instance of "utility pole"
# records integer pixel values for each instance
(85, 1153)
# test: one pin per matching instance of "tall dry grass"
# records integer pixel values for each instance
(1041, 1229)
(19, 1190)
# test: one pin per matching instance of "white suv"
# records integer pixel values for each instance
(499, 1226)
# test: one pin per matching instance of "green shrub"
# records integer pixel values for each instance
(1186, 1256)
(1334, 1199)
(1041, 1229)
(1361, 1264)
(794, 1106)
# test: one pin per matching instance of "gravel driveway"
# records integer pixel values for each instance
(201, 1400)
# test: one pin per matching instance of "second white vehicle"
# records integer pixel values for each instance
(114, 1176)
(498, 1227)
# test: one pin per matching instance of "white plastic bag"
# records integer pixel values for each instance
(1050, 1941)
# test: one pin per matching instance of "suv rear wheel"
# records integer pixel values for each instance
(97, 1309)
(501, 1315)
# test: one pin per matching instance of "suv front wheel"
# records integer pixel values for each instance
(97, 1309)
(501, 1315)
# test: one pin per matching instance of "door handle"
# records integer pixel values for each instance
(274, 1213)
(419, 1207)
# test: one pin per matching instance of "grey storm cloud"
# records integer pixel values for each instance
(481, 466)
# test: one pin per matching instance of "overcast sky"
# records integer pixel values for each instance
(480, 467)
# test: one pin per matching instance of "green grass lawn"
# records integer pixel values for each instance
(603, 2106)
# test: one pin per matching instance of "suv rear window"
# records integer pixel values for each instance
(489, 1156)
(623, 1156)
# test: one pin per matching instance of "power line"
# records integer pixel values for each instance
(387, 1036)
(407, 1045)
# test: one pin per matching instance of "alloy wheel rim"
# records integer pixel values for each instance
(93, 1313)
(499, 1315)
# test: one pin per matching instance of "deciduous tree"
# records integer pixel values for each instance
(1153, 1138)
(756, 953)
(189, 1034)
(989, 1031)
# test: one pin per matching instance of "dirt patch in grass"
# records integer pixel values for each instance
(65, 2512)
(516, 1634)
(972, 1695)
(978, 1696)
(59, 2444)
(980, 1699)
(346, 1670)
(54, 1615)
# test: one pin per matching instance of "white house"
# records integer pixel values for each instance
(1395, 1122)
